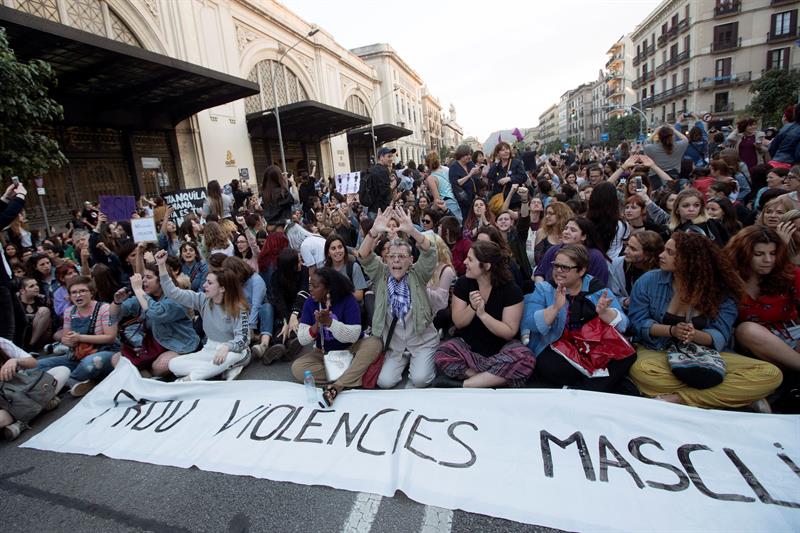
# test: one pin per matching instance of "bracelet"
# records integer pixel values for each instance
(670, 331)
(470, 305)
(371, 235)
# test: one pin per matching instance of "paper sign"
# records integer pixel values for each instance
(184, 202)
(118, 208)
(144, 230)
(348, 183)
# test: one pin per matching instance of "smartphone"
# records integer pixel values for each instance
(638, 182)
(15, 180)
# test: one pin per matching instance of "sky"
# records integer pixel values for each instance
(501, 67)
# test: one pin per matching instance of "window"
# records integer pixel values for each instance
(673, 51)
(721, 103)
(726, 35)
(356, 105)
(778, 59)
(664, 85)
(722, 69)
(686, 43)
(686, 75)
(675, 80)
(782, 23)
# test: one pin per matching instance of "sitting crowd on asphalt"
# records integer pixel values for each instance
(666, 269)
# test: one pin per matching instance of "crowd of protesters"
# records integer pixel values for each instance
(666, 269)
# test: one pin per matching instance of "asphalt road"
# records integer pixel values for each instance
(55, 492)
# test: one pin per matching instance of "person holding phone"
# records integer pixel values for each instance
(11, 204)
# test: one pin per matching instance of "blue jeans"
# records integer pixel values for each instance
(266, 318)
(452, 205)
(92, 367)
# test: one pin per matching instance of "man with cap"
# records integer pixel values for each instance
(379, 183)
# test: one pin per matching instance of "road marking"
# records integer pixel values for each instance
(437, 520)
(363, 513)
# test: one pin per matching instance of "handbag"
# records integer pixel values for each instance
(336, 362)
(698, 366)
(497, 200)
(370, 378)
(85, 349)
(27, 394)
(590, 348)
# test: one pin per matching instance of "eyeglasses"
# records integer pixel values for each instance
(79, 292)
(427, 221)
(558, 267)
(397, 256)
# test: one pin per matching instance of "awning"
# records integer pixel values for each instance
(384, 133)
(108, 83)
(306, 121)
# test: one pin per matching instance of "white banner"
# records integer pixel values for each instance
(560, 458)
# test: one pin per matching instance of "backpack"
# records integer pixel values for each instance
(27, 394)
(365, 193)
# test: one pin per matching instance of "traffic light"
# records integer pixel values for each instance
(649, 131)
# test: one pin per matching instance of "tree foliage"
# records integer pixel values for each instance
(25, 109)
(775, 90)
(622, 128)
(553, 147)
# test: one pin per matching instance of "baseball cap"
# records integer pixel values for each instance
(383, 151)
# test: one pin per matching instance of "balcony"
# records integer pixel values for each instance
(662, 40)
(649, 50)
(615, 90)
(683, 25)
(669, 94)
(614, 75)
(778, 2)
(727, 107)
(637, 59)
(613, 59)
(724, 81)
(777, 37)
(673, 62)
(727, 7)
(726, 45)
(672, 32)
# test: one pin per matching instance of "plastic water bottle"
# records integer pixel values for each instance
(311, 387)
(525, 336)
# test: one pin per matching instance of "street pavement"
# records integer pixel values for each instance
(55, 492)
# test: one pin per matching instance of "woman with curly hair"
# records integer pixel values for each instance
(217, 240)
(556, 216)
(768, 313)
(692, 298)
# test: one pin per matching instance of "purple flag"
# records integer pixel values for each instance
(517, 134)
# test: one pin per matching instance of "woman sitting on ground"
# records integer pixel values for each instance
(255, 293)
(287, 294)
(337, 258)
(153, 329)
(578, 230)
(479, 215)
(492, 234)
(768, 314)
(641, 255)
(216, 239)
(444, 276)
(692, 298)
(487, 310)
(402, 308)
(516, 235)
(14, 359)
(568, 301)
(89, 355)
(223, 310)
(689, 215)
(635, 213)
(556, 216)
(331, 321)
(722, 209)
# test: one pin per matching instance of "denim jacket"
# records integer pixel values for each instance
(785, 147)
(543, 335)
(649, 302)
(167, 320)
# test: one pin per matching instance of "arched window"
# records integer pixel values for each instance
(356, 105)
(287, 86)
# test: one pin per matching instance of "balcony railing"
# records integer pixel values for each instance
(727, 7)
(727, 107)
(683, 25)
(726, 45)
(614, 58)
(645, 78)
(672, 62)
(774, 37)
(637, 59)
(669, 94)
(649, 50)
(776, 2)
(721, 81)
(672, 32)
(662, 40)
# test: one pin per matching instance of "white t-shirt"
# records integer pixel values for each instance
(312, 250)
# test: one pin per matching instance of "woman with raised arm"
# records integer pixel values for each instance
(224, 312)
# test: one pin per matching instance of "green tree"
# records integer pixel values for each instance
(25, 109)
(622, 128)
(553, 147)
(775, 90)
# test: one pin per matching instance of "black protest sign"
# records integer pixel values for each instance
(184, 202)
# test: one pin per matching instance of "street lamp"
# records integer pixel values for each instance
(275, 94)
(372, 122)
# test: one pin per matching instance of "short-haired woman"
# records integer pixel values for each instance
(567, 302)
(487, 310)
(641, 255)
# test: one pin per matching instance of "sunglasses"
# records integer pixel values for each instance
(427, 221)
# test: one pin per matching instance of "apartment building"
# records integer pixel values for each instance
(620, 75)
(702, 56)
(432, 121)
(599, 107)
(548, 125)
(579, 114)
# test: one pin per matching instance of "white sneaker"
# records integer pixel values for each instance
(761, 406)
(234, 371)
(82, 388)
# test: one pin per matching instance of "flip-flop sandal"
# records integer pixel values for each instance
(329, 394)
